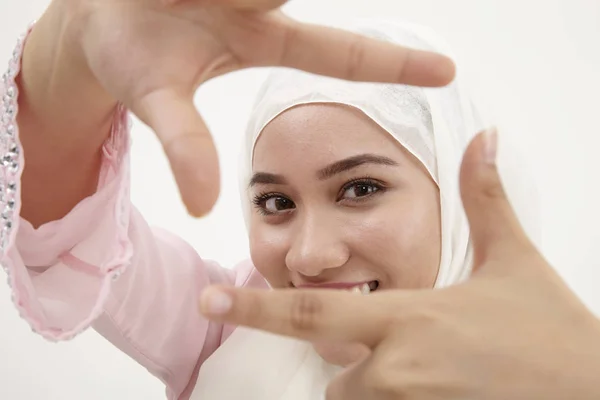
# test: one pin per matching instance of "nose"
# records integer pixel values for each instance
(317, 246)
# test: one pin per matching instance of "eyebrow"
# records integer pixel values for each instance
(265, 178)
(353, 162)
(329, 171)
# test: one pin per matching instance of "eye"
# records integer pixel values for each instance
(272, 203)
(360, 188)
(275, 204)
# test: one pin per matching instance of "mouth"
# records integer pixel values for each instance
(362, 288)
(365, 288)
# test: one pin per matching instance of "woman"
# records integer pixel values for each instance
(354, 186)
(395, 209)
(428, 345)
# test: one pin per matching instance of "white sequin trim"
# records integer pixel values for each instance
(11, 159)
(11, 165)
(11, 162)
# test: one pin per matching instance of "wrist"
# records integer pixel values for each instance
(55, 48)
(59, 93)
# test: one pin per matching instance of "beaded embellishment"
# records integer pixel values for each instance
(10, 149)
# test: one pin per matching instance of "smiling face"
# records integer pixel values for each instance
(339, 203)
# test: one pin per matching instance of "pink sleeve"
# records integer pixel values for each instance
(102, 265)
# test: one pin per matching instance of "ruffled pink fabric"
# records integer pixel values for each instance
(103, 266)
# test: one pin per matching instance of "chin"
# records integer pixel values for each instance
(341, 354)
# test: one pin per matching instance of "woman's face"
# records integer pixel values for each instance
(339, 203)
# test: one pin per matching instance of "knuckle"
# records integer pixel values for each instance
(415, 321)
(382, 382)
(252, 310)
(305, 311)
(492, 191)
(356, 58)
(289, 37)
(335, 390)
(490, 186)
(287, 41)
(402, 66)
(426, 317)
(395, 322)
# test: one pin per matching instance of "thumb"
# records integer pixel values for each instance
(253, 5)
(495, 229)
(242, 5)
(187, 143)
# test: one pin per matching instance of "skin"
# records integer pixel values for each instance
(513, 331)
(84, 57)
(80, 51)
(378, 221)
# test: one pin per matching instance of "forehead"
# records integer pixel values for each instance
(320, 134)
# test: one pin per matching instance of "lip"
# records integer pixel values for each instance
(332, 285)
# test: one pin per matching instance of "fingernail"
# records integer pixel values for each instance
(197, 215)
(215, 302)
(490, 145)
(192, 212)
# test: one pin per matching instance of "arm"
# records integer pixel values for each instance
(65, 117)
(513, 330)
(90, 259)
(152, 56)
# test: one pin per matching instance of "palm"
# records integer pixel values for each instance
(135, 50)
(152, 57)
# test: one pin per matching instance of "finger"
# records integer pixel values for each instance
(313, 315)
(341, 353)
(242, 5)
(351, 384)
(252, 5)
(338, 53)
(494, 225)
(187, 143)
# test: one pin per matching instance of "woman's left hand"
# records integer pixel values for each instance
(513, 331)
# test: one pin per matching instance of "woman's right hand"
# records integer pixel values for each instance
(514, 330)
(152, 55)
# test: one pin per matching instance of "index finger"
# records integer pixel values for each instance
(305, 314)
(342, 54)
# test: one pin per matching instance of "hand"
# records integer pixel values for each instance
(152, 55)
(513, 331)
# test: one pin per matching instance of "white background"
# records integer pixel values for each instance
(533, 66)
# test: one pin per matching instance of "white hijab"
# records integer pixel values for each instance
(435, 125)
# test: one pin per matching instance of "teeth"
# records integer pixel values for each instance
(365, 289)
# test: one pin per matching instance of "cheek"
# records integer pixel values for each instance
(402, 239)
(268, 247)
